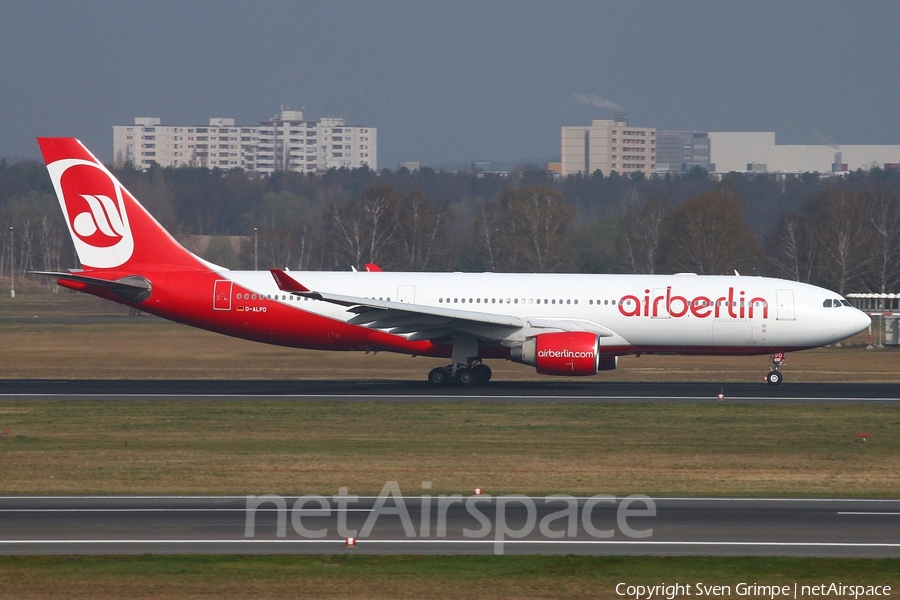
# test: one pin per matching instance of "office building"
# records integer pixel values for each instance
(680, 151)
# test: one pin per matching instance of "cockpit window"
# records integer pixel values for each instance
(827, 303)
(845, 303)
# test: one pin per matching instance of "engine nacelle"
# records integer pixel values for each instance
(563, 353)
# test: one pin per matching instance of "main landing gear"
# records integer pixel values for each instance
(465, 367)
(476, 373)
(774, 376)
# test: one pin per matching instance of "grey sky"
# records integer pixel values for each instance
(452, 81)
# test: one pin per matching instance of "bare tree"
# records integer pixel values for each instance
(709, 236)
(488, 234)
(792, 249)
(839, 228)
(422, 232)
(538, 218)
(641, 234)
(883, 223)
(364, 229)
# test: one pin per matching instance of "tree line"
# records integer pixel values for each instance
(839, 232)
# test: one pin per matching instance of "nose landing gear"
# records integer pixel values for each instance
(774, 376)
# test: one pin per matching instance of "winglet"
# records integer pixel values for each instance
(373, 268)
(286, 283)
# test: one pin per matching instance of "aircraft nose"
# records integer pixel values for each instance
(860, 321)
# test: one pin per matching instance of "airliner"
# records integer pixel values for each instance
(560, 324)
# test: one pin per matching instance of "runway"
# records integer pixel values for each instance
(668, 526)
(413, 391)
(680, 526)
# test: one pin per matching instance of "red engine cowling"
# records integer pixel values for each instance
(561, 353)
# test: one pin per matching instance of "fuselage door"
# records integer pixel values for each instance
(658, 307)
(222, 295)
(785, 301)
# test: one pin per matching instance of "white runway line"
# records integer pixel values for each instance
(133, 510)
(467, 494)
(462, 542)
(896, 514)
(447, 397)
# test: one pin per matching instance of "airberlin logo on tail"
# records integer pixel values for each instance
(103, 217)
(663, 303)
(94, 205)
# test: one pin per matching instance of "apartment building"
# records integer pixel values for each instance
(608, 145)
(287, 141)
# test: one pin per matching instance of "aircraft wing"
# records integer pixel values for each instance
(420, 322)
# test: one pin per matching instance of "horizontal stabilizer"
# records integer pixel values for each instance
(133, 288)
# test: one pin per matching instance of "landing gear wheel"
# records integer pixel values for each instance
(482, 374)
(438, 376)
(774, 377)
(465, 377)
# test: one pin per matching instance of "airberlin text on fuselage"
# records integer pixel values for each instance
(735, 307)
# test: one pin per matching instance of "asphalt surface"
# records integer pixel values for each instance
(680, 526)
(215, 525)
(413, 391)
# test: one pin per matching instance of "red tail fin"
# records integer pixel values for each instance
(110, 229)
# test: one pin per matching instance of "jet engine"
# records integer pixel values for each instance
(563, 353)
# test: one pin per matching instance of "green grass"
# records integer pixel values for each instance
(282, 446)
(360, 576)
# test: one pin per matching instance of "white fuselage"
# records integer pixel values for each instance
(653, 312)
